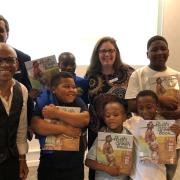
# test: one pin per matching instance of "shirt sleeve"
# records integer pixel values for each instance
(133, 85)
(92, 152)
(21, 139)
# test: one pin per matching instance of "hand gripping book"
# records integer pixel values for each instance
(40, 71)
(157, 142)
(62, 142)
(115, 149)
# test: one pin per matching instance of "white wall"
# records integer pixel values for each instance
(171, 30)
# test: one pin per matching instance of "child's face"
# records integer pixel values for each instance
(147, 107)
(158, 53)
(70, 68)
(114, 116)
(66, 90)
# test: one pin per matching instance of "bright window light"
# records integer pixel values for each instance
(46, 27)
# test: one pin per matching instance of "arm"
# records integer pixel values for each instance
(92, 162)
(21, 139)
(45, 128)
(111, 170)
(75, 119)
(134, 86)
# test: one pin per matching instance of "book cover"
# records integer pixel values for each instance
(40, 71)
(115, 149)
(62, 142)
(157, 142)
(165, 85)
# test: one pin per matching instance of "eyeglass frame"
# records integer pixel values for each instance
(8, 60)
(104, 51)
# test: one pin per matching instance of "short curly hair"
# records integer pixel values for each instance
(156, 38)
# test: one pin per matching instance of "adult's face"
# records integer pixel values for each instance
(3, 32)
(158, 53)
(107, 54)
(8, 62)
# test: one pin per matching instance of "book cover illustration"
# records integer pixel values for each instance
(115, 149)
(62, 142)
(157, 142)
(41, 70)
(165, 85)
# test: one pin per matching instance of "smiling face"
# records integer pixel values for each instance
(114, 116)
(66, 91)
(158, 53)
(147, 107)
(107, 54)
(8, 62)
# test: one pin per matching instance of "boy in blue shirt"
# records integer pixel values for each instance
(55, 164)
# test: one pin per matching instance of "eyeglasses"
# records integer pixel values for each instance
(109, 51)
(8, 60)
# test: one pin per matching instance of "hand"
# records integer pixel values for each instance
(72, 131)
(29, 134)
(113, 170)
(34, 93)
(171, 114)
(168, 103)
(23, 169)
(175, 128)
(50, 111)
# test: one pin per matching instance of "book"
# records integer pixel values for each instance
(40, 71)
(165, 85)
(157, 142)
(115, 149)
(62, 142)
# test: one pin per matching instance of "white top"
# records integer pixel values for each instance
(100, 175)
(21, 139)
(143, 170)
(139, 79)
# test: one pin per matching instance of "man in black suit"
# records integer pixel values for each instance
(21, 74)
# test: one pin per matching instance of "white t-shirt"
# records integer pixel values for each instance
(143, 170)
(139, 79)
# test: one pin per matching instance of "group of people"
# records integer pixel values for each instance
(111, 97)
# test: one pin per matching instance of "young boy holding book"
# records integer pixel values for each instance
(59, 164)
(147, 109)
(114, 114)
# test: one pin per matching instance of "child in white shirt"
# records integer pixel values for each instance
(147, 106)
(114, 114)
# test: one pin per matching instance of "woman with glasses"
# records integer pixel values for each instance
(106, 74)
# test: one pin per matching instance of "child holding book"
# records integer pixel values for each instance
(58, 164)
(114, 114)
(147, 109)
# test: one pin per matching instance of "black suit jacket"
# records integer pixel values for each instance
(21, 75)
